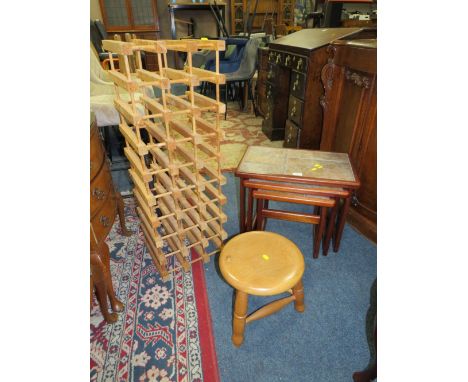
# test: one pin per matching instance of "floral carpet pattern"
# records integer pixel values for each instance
(164, 333)
(242, 129)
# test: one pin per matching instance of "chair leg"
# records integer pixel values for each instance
(238, 320)
(120, 211)
(253, 99)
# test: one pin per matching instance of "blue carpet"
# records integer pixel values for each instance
(328, 341)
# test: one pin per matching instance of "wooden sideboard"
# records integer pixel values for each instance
(350, 121)
(105, 204)
(262, 81)
(293, 88)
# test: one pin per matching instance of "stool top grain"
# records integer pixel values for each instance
(294, 163)
(261, 263)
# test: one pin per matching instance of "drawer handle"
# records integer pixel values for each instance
(289, 137)
(278, 58)
(271, 55)
(104, 221)
(98, 194)
(293, 111)
(268, 94)
(299, 64)
(288, 58)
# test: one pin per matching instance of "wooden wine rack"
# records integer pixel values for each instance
(173, 150)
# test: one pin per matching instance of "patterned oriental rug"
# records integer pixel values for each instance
(242, 129)
(164, 333)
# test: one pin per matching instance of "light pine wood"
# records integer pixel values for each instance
(263, 264)
(239, 317)
(168, 170)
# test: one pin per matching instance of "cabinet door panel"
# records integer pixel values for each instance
(367, 195)
(346, 118)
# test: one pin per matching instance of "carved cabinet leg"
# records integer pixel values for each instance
(120, 210)
(240, 314)
(100, 285)
(117, 306)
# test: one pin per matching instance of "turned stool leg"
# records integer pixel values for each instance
(238, 321)
(298, 293)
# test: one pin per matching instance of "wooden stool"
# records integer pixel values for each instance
(262, 264)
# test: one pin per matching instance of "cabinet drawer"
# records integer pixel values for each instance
(100, 189)
(299, 64)
(102, 222)
(295, 110)
(273, 73)
(297, 86)
(269, 92)
(291, 135)
(275, 57)
(288, 60)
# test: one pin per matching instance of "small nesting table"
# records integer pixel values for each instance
(296, 168)
(263, 264)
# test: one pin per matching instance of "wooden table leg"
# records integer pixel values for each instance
(240, 314)
(298, 293)
(259, 220)
(241, 206)
(319, 231)
(249, 209)
(341, 224)
(330, 227)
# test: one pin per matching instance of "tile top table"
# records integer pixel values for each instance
(302, 166)
(313, 167)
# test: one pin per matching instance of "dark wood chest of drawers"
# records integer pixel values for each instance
(103, 208)
(105, 203)
(350, 122)
(293, 88)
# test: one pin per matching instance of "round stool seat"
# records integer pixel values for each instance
(261, 263)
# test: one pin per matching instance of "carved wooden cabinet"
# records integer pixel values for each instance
(105, 203)
(350, 121)
(293, 88)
